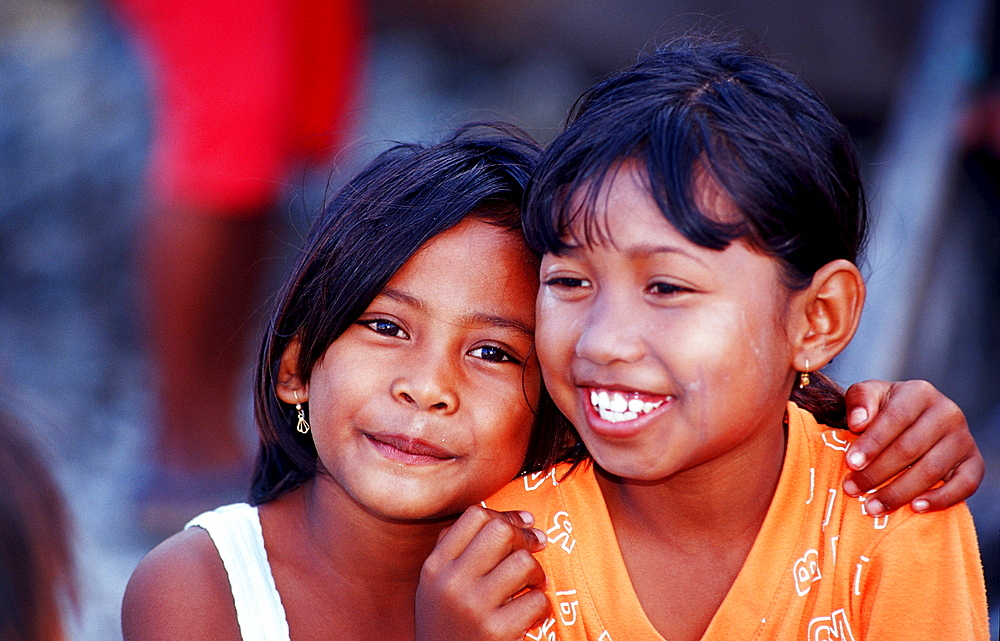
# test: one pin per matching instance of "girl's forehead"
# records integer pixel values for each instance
(470, 248)
(623, 197)
(603, 207)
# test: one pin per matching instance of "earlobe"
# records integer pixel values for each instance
(289, 387)
(832, 310)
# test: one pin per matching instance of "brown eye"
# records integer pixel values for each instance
(384, 327)
(666, 289)
(493, 354)
(569, 283)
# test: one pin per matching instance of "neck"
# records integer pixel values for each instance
(710, 504)
(372, 553)
(343, 571)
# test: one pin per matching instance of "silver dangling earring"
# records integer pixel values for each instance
(804, 376)
(303, 425)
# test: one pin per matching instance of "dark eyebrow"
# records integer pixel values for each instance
(477, 318)
(403, 297)
(501, 322)
(636, 251)
(646, 249)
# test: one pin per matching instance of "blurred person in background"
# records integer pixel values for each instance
(244, 93)
(36, 566)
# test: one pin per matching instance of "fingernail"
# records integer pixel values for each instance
(874, 507)
(527, 517)
(858, 416)
(921, 505)
(540, 536)
(857, 459)
(851, 487)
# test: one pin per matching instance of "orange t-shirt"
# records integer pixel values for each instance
(819, 569)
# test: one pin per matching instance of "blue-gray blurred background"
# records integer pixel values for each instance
(75, 132)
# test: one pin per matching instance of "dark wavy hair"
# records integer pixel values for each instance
(697, 106)
(406, 196)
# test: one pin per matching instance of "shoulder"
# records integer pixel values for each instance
(180, 590)
(541, 489)
(933, 535)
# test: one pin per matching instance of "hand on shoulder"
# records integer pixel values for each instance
(481, 581)
(914, 436)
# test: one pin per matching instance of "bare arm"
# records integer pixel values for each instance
(180, 591)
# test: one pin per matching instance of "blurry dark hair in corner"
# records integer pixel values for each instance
(37, 579)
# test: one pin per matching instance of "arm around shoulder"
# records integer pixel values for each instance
(179, 591)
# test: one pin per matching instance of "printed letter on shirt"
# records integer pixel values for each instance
(806, 571)
(543, 632)
(535, 480)
(832, 628)
(833, 440)
(561, 521)
(567, 607)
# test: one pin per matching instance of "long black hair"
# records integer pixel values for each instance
(407, 195)
(715, 106)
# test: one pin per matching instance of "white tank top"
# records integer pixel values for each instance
(237, 535)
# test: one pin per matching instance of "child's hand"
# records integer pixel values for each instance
(469, 582)
(909, 424)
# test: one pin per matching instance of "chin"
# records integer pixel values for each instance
(629, 468)
(397, 506)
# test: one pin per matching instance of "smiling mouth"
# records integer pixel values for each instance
(615, 406)
(409, 450)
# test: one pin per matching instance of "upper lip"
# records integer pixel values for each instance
(414, 446)
(617, 387)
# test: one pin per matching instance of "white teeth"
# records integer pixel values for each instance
(615, 408)
(617, 417)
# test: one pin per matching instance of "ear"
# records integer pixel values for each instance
(828, 312)
(289, 387)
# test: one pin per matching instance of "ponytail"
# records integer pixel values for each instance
(823, 399)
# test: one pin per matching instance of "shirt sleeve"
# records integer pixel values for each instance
(924, 580)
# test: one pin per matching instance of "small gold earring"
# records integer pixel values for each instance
(804, 376)
(303, 425)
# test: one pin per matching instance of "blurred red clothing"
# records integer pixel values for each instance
(242, 90)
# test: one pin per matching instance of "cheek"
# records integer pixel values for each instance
(503, 422)
(558, 328)
(728, 345)
(502, 441)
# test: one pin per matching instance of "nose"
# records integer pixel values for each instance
(609, 334)
(427, 385)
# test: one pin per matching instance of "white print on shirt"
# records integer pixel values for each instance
(545, 632)
(829, 508)
(567, 608)
(605, 636)
(833, 547)
(561, 521)
(812, 484)
(806, 572)
(535, 480)
(833, 440)
(832, 628)
(857, 574)
(879, 522)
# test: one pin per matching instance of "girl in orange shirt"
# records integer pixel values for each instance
(700, 222)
